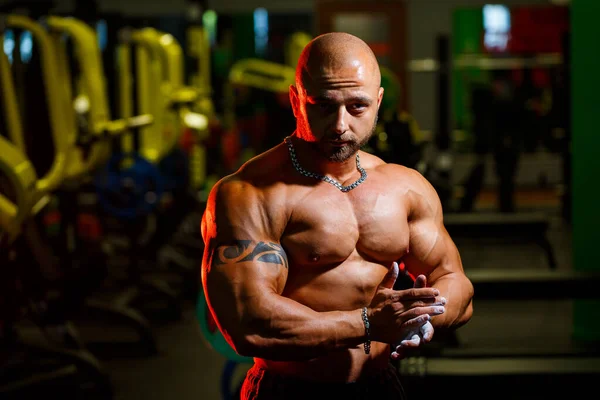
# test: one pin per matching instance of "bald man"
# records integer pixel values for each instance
(303, 244)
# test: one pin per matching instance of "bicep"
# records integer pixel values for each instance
(432, 252)
(242, 264)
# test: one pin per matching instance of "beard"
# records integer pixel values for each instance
(350, 147)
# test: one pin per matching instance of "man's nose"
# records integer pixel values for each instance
(341, 124)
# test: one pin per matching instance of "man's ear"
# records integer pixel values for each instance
(294, 101)
(379, 97)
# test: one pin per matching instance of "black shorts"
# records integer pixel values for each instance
(261, 384)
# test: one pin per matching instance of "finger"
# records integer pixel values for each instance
(427, 331)
(434, 301)
(417, 322)
(390, 278)
(420, 282)
(418, 311)
(398, 353)
(416, 293)
(414, 341)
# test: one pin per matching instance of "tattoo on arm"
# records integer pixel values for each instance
(246, 250)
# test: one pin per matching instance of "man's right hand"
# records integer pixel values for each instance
(393, 314)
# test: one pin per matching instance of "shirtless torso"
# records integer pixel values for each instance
(335, 247)
(339, 247)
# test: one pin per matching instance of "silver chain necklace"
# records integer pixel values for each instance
(296, 164)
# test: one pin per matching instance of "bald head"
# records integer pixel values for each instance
(331, 52)
(337, 95)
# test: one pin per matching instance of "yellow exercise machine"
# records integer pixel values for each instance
(157, 140)
(23, 196)
(161, 88)
(259, 74)
(30, 193)
(190, 109)
(91, 140)
(294, 45)
(90, 104)
(250, 73)
(121, 189)
(202, 175)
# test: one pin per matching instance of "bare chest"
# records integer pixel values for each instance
(327, 227)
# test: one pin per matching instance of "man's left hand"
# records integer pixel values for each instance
(418, 335)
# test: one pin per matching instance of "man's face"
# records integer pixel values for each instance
(336, 109)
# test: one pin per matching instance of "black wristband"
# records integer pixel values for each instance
(365, 319)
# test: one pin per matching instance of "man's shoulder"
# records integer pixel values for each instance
(394, 172)
(259, 174)
(244, 197)
(401, 179)
(414, 186)
(265, 169)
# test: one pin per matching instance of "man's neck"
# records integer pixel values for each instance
(311, 160)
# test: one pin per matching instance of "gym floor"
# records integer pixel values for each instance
(187, 369)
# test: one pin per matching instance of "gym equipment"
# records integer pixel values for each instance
(160, 88)
(390, 104)
(97, 133)
(22, 178)
(40, 359)
(216, 341)
(92, 138)
(129, 187)
(249, 73)
(521, 378)
(212, 334)
(181, 100)
(203, 173)
(523, 373)
(525, 285)
(397, 137)
(92, 141)
(28, 365)
(178, 105)
(518, 228)
(294, 45)
(159, 74)
(175, 169)
(471, 75)
(34, 196)
(262, 74)
(534, 284)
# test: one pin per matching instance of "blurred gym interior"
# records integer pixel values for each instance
(118, 117)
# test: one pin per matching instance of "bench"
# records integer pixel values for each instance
(515, 378)
(521, 227)
(534, 284)
(536, 370)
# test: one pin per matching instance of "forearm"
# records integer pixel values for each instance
(281, 329)
(458, 292)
